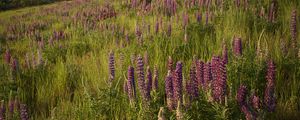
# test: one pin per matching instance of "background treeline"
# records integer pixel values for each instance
(12, 4)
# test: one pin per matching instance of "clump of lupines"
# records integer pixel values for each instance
(177, 84)
(225, 54)
(131, 83)
(237, 46)
(169, 90)
(269, 96)
(111, 67)
(294, 28)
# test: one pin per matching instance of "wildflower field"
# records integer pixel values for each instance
(151, 60)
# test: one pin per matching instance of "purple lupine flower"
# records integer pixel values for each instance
(219, 84)
(193, 83)
(294, 28)
(237, 46)
(272, 11)
(215, 62)
(200, 73)
(247, 112)
(269, 97)
(111, 67)
(149, 81)
(255, 101)
(23, 112)
(169, 89)
(177, 84)
(155, 79)
(241, 95)
(207, 75)
(225, 54)
(2, 111)
(15, 64)
(141, 78)
(131, 83)
(199, 17)
(7, 56)
(157, 27)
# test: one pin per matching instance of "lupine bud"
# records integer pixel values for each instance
(255, 101)
(248, 114)
(269, 97)
(179, 113)
(170, 64)
(199, 17)
(149, 81)
(161, 114)
(169, 90)
(7, 56)
(225, 54)
(178, 82)
(241, 95)
(215, 62)
(206, 18)
(23, 112)
(294, 28)
(131, 83)
(155, 79)
(111, 67)
(237, 46)
(15, 65)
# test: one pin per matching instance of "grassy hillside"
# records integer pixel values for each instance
(92, 59)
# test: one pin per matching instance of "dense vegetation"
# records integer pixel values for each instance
(11, 4)
(151, 59)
